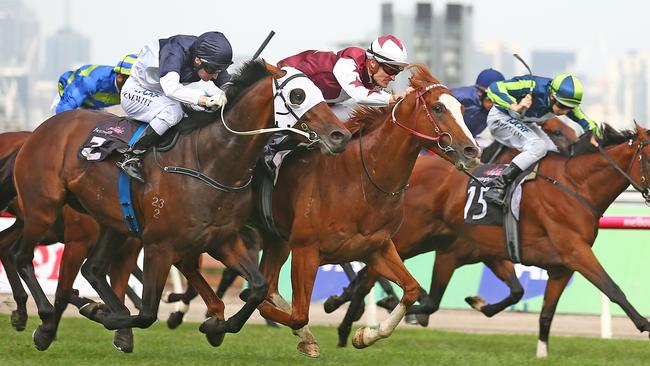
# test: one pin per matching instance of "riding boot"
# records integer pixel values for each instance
(497, 192)
(132, 157)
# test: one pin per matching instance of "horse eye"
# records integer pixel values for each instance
(297, 96)
(438, 108)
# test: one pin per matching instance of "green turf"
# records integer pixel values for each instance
(81, 342)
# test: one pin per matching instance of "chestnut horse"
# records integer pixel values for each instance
(181, 217)
(347, 207)
(559, 215)
(79, 232)
(422, 231)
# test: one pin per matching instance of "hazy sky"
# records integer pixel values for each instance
(597, 32)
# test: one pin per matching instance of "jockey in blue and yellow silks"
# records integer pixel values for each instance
(521, 104)
(92, 86)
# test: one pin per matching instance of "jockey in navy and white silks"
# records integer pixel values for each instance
(477, 105)
(169, 72)
(521, 104)
(354, 73)
(92, 86)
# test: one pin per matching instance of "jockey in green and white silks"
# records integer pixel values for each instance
(521, 104)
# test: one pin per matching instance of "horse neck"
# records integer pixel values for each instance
(389, 153)
(598, 180)
(223, 151)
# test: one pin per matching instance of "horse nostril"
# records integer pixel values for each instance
(470, 152)
(338, 137)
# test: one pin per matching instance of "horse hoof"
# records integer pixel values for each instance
(422, 319)
(18, 320)
(243, 296)
(215, 339)
(123, 340)
(175, 319)
(476, 302)
(330, 304)
(41, 339)
(95, 311)
(389, 302)
(357, 340)
(309, 349)
(214, 326)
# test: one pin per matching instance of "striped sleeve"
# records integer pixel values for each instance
(577, 115)
(505, 93)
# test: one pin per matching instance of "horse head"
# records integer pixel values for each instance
(441, 127)
(300, 104)
(560, 133)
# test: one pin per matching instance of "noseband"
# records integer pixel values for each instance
(419, 99)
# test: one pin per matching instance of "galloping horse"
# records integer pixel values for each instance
(558, 220)
(181, 217)
(79, 232)
(422, 231)
(347, 207)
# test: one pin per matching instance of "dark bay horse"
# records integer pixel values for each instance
(558, 220)
(181, 217)
(79, 232)
(423, 231)
(347, 207)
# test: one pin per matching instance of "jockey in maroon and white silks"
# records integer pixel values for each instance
(354, 73)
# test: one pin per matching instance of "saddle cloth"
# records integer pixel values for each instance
(107, 136)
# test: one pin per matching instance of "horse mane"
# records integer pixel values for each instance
(246, 76)
(371, 117)
(611, 136)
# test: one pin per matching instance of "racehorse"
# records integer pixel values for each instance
(558, 131)
(347, 207)
(181, 217)
(422, 231)
(79, 232)
(558, 224)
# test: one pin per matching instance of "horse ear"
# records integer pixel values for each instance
(276, 72)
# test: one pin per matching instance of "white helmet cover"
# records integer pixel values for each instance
(388, 49)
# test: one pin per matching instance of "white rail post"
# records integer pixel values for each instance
(605, 318)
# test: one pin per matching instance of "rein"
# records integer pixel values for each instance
(643, 189)
(365, 169)
(419, 98)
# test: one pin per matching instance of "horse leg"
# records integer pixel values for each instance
(555, 285)
(120, 270)
(304, 266)
(175, 319)
(505, 271)
(95, 270)
(157, 263)
(361, 288)
(388, 263)
(236, 255)
(7, 238)
(190, 269)
(583, 260)
(335, 301)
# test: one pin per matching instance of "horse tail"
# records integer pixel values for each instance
(7, 188)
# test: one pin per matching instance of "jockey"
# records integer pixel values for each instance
(522, 103)
(477, 105)
(92, 86)
(354, 73)
(159, 84)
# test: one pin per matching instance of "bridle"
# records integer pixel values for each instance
(643, 187)
(419, 100)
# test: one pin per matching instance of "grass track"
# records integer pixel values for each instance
(83, 343)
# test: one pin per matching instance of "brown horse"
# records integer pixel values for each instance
(423, 231)
(181, 216)
(559, 219)
(79, 232)
(347, 207)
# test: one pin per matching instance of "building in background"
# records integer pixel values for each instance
(627, 94)
(66, 49)
(19, 37)
(552, 63)
(443, 42)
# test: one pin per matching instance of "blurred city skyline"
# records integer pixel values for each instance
(595, 32)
